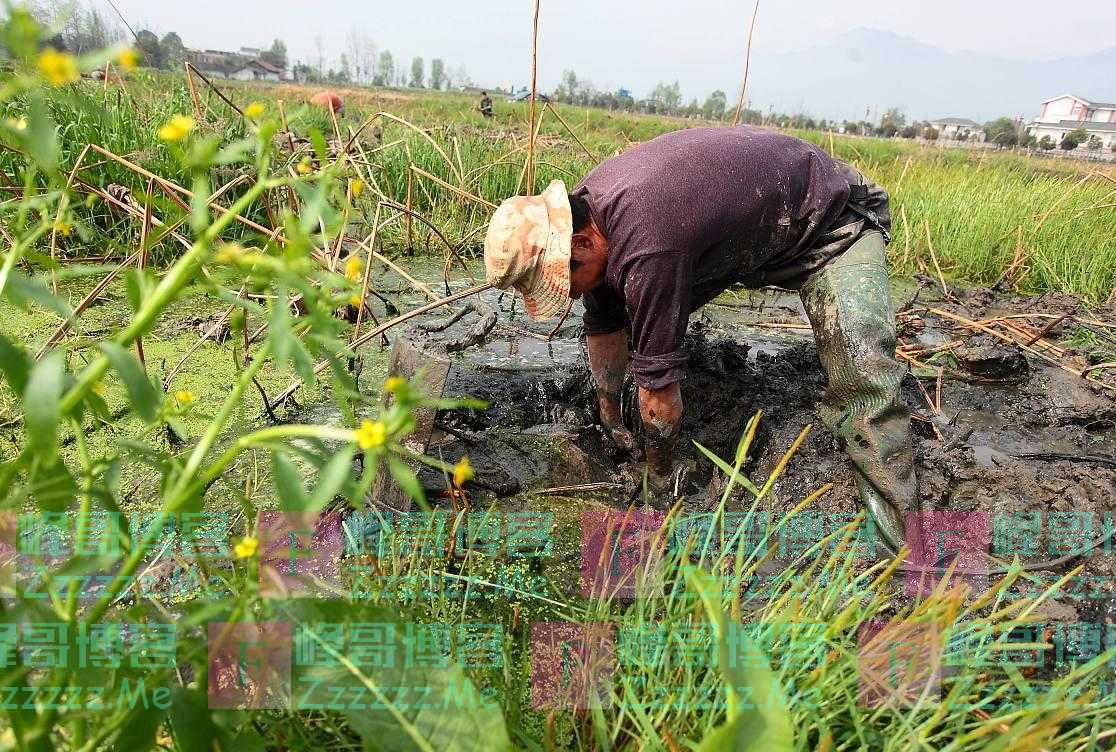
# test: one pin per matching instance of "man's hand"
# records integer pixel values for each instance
(608, 362)
(614, 425)
(661, 410)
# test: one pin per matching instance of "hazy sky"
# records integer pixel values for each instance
(634, 44)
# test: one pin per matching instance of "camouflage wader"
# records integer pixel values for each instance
(849, 306)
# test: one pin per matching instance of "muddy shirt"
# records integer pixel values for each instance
(693, 212)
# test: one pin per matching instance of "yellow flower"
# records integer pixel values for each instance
(99, 388)
(229, 253)
(63, 228)
(462, 472)
(128, 59)
(394, 384)
(353, 267)
(371, 435)
(58, 67)
(177, 129)
(246, 548)
(305, 167)
(185, 397)
(17, 124)
(255, 111)
(355, 300)
(356, 187)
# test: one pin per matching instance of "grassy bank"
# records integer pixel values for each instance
(986, 216)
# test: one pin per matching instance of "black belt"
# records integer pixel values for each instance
(858, 194)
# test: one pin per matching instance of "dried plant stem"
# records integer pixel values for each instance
(193, 91)
(747, 66)
(322, 365)
(554, 111)
(367, 269)
(534, 96)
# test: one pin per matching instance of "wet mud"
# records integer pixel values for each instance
(1004, 433)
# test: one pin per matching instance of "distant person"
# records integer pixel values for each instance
(329, 99)
(486, 104)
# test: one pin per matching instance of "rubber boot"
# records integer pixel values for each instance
(849, 306)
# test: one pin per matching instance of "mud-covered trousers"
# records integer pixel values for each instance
(849, 306)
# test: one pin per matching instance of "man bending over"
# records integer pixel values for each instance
(655, 233)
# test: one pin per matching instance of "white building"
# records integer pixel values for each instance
(958, 129)
(220, 64)
(1063, 114)
(256, 70)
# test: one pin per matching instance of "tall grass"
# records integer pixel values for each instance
(985, 211)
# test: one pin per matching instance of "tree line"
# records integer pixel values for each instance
(361, 61)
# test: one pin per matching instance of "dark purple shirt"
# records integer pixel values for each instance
(689, 214)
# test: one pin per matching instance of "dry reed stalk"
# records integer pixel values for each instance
(58, 216)
(903, 175)
(425, 135)
(448, 187)
(969, 323)
(215, 90)
(934, 260)
(529, 161)
(906, 233)
(453, 255)
(141, 262)
(408, 221)
(292, 197)
(193, 92)
(747, 67)
(367, 337)
(534, 95)
(367, 269)
(554, 110)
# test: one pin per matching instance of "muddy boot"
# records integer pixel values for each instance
(849, 307)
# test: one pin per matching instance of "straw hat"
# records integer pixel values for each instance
(528, 247)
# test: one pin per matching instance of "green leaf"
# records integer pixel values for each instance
(140, 283)
(288, 483)
(320, 147)
(406, 479)
(141, 393)
(14, 364)
(199, 204)
(41, 408)
(454, 715)
(53, 487)
(281, 334)
(138, 731)
(23, 291)
(194, 729)
(332, 477)
(728, 470)
(41, 136)
(763, 723)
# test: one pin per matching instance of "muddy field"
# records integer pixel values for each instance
(1001, 426)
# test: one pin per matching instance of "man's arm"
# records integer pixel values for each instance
(608, 362)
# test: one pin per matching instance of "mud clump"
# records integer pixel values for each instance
(992, 361)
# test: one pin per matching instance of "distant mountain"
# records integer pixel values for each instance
(878, 69)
